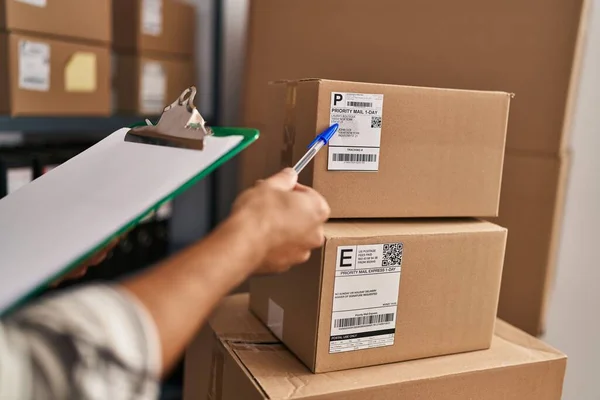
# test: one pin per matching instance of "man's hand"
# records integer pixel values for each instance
(92, 261)
(289, 215)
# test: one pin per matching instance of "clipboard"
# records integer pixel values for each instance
(52, 225)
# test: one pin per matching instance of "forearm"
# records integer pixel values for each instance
(181, 292)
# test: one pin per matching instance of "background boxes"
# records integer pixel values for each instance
(395, 290)
(533, 192)
(145, 85)
(163, 26)
(399, 149)
(235, 357)
(79, 19)
(53, 77)
(154, 46)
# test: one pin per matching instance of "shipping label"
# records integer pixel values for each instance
(34, 66)
(356, 146)
(365, 296)
(152, 17)
(153, 93)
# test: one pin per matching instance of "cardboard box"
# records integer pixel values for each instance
(48, 77)
(401, 151)
(163, 26)
(78, 19)
(147, 84)
(382, 292)
(533, 193)
(532, 49)
(236, 358)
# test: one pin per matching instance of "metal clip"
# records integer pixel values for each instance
(180, 125)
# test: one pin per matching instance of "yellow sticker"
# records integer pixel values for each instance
(81, 73)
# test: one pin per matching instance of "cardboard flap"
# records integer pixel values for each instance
(376, 228)
(232, 321)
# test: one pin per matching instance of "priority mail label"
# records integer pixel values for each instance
(365, 298)
(356, 146)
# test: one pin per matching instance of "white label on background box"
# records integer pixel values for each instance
(365, 296)
(37, 3)
(154, 88)
(17, 178)
(152, 17)
(360, 119)
(34, 66)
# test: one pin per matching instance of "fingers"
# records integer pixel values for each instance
(285, 180)
(317, 202)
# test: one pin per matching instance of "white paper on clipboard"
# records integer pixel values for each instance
(61, 216)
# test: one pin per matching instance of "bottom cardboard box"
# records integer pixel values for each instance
(531, 207)
(146, 84)
(236, 357)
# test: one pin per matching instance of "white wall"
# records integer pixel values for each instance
(574, 316)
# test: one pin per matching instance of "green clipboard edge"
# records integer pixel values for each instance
(249, 136)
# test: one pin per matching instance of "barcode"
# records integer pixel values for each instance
(355, 158)
(363, 104)
(34, 79)
(359, 321)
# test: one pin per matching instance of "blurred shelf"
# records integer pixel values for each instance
(71, 125)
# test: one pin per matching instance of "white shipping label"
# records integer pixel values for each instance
(152, 17)
(360, 119)
(153, 94)
(37, 3)
(365, 296)
(34, 66)
(17, 178)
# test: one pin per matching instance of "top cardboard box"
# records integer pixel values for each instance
(528, 48)
(401, 151)
(154, 26)
(78, 19)
(235, 357)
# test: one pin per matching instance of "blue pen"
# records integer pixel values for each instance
(314, 147)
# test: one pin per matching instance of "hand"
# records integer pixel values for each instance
(92, 261)
(289, 215)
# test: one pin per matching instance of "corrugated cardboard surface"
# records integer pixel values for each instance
(180, 74)
(80, 19)
(441, 150)
(531, 208)
(447, 301)
(527, 48)
(516, 366)
(177, 35)
(57, 101)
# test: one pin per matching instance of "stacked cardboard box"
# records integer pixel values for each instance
(55, 57)
(392, 307)
(154, 61)
(236, 357)
(392, 289)
(532, 49)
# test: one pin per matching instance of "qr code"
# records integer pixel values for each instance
(392, 255)
(375, 122)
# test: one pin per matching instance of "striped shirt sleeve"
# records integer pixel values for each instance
(92, 342)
